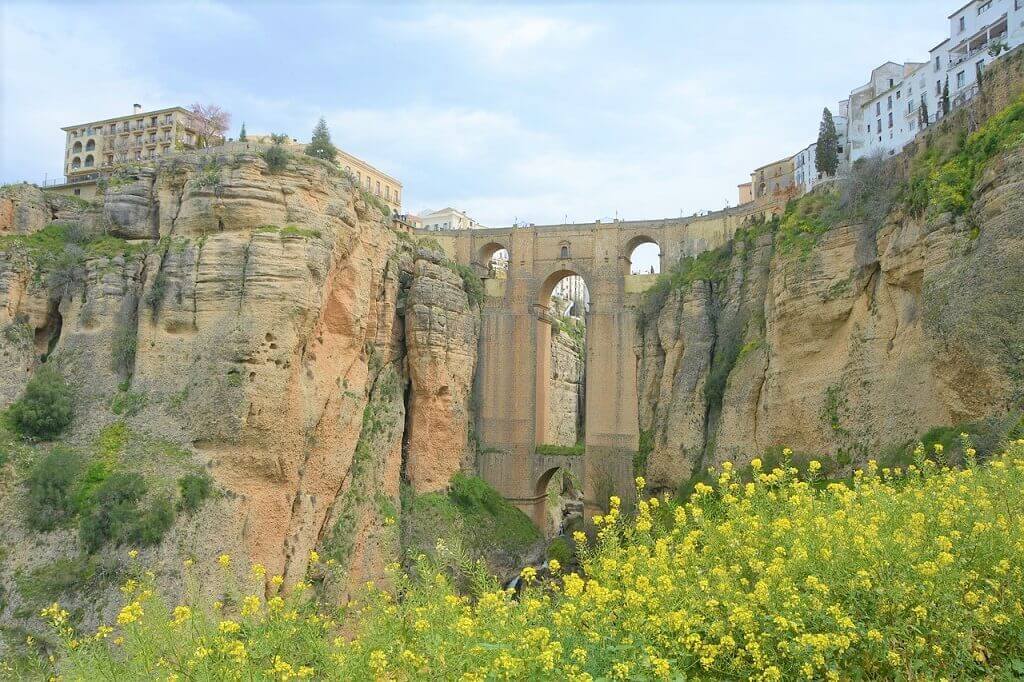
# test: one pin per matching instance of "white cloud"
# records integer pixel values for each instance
(509, 40)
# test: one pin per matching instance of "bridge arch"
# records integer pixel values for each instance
(549, 512)
(490, 261)
(644, 248)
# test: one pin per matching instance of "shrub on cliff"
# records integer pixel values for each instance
(50, 489)
(276, 157)
(44, 411)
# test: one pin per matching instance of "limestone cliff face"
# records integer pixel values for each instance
(870, 339)
(442, 333)
(565, 392)
(280, 331)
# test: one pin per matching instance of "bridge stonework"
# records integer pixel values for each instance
(513, 363)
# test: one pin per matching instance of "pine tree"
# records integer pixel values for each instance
(241, 134)
(320, 145)
(945, 98)
(826, 156)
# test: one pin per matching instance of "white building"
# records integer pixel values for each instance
(884, 113)
(448, 219)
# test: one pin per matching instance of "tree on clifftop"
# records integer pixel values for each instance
(241, 134)
(211, 122)
(320, 145)
(826, 156)
(945, 98)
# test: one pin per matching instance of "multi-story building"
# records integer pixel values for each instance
(448, 219)
(885, 114)
(372, 180)
(91, 150)
(746, 193)
(772, 180)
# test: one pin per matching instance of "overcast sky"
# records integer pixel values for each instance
(535, 113)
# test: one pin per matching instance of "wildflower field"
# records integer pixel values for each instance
(894, 575)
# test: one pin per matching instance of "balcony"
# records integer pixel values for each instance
(979, 42)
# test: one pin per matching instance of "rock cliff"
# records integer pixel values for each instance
(267, 325)
(847, 348)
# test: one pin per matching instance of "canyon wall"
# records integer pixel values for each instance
(271, 329)
(843, 351)
(565, 387)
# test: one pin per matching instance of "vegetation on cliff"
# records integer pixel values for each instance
(900, 574)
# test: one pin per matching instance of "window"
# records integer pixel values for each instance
(938, 63)
(891, 82)
(938, 88)
(77, 148)
(890, 119)
(89, 161)
(897, 94)
(984, 8)
(563, 252)
(878, 108)
(113, 128)
(910, 106)
(76, 162)
(378, 188)
(961, 79)
(387, 192)
(962, 24)
(879, 125)
(889, 105)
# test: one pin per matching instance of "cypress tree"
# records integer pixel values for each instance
(945, 98)
(923, 113)
(320, 145)
(826, 156)
(241, 134)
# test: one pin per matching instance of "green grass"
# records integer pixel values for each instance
(552, 450)
(471, 514)
(296, 231)
(944, 174)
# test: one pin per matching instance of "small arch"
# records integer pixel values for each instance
(494, 257)
(560, 500)
(564, 251)
(644, 255)
(90, 145)
(76, 162)
(552, 280)
(89, 161)
(77, 148)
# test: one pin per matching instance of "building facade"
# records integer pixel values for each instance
(773, 180)
(93, 148)
(448, 219)
(372, 180)
(887, 113)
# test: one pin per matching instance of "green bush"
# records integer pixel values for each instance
(45, 409)
(471, 283)
(50, 489)
(115, 513)
(276, 157)
(194, 489)
(150, 527)
(77, 575)
(558, 549)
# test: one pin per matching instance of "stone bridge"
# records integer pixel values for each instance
(514, 355)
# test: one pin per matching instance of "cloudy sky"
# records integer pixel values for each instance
(528, 112)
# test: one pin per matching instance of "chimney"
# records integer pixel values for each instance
(136, 108)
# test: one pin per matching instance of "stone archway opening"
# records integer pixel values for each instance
(562, 309)
(494, 259)
(561, 509)
(644, 256)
